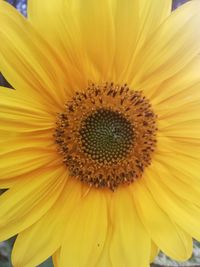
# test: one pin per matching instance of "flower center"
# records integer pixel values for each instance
(107, 135)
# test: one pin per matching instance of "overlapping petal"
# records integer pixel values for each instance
(108, 34)
(179, 89)
(24, 127)
(130, 243)
(135, 22)
(169, 237)
(19, 114)
(185, 213)
(87, 223)
(30, 64)
(29, 200)
(61, 31)
(43, 238)
(162, 57)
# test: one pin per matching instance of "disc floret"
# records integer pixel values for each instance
(107, 135)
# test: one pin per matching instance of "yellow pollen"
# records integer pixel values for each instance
(107, 135)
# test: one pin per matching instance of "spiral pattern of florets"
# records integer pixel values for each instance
(106, 134)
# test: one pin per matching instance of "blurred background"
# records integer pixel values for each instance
(161, 260)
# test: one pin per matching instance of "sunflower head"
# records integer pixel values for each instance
(106, 134)
(102, 173)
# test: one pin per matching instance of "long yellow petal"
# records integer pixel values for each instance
(41, 240)
(181, 126)
(97, 30)
(18, 114)
(135, 22)
(170, 146)
(57, 21)
(108, 33)
(181, 88)
(27, 61)
(105, 257)
(130, 243)
(161, 57)
(73, 195)
(178, 163)
(170, 238)
(29, 200)
(28, 99)
(170, 179)
(15, 142)
(22, 161)
(183, 212)
(151, 16)
(85, 232)
(79, 33)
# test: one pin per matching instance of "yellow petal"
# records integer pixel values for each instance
(40, 14)
(180, 89)
(168, 146)
(73, 195)
(85, 232)
(97, 31)
(135, 22)
(178, 164)
(188, 111)
(26, 135)
(151, 16)
(126, 20)
(56, 258)
(70, 31)
(181, 126)
(29, 200)
(130, 243)
(56, 21)
(105, 257)
(107, 33)
(15, 142)
(41, 240)
(170, 238)
(22, 115)
(27, 61)
(169, 49)
(170, 179)
(154, 252)
(181, 120)
(22, 161)
(25, 99)
(181, 211)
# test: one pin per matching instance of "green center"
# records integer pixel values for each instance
(106, 136)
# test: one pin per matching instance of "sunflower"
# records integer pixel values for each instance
(100, 136)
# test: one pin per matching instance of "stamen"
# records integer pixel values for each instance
(107, 135)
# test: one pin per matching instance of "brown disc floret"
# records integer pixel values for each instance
(106, 135)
